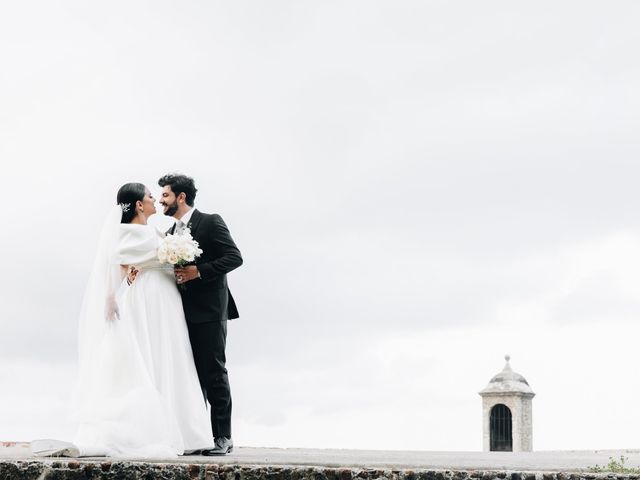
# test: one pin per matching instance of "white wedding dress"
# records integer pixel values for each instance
(138, 391)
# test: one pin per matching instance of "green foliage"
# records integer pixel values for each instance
(615, 466)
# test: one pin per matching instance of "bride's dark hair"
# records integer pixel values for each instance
(128, 195)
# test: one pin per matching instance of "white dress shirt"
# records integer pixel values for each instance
(183, 221)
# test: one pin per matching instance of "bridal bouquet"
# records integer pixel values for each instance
(179, 249)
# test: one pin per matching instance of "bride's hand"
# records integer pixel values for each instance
(111, 312)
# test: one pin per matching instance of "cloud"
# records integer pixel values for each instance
(406, 183)
(419, 390)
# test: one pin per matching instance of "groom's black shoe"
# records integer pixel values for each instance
(223, 446)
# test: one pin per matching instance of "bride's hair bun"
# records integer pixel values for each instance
(127, 197)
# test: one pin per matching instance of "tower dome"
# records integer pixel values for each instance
(508, 381)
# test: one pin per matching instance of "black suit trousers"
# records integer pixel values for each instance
(208, 342)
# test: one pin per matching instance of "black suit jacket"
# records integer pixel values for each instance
(208, 298)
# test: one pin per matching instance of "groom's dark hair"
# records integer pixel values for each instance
(180, 184)
(127, 197)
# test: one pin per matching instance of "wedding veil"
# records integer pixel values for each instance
(100, 297)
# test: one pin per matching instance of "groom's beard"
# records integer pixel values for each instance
(171, 209)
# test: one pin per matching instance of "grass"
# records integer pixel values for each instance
(615, 466)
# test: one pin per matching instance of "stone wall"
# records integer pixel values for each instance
(92, 470)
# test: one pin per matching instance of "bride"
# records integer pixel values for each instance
(138, 390)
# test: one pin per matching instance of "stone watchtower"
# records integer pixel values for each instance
(506, 412)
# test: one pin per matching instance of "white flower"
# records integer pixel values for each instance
(179, 249)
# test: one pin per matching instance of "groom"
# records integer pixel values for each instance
(206, 299)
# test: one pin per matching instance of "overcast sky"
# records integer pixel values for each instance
(417, 189)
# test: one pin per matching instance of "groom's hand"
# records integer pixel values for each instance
(131, 274)
(186, 274)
